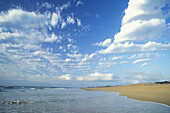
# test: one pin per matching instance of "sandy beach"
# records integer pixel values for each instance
(159, 93)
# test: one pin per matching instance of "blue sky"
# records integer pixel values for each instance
(77, 41)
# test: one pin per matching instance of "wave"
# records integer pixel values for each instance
(15, 102)
(28, 88)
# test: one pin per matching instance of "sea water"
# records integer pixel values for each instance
(71, 100)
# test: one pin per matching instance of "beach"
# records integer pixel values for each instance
(159, 93)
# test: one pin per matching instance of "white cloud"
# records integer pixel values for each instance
(5, 35)
(143, 21)
(24, 52)
(88, 57)
(102, 59)
(105, 43)
(47, 5)
(106, 64)
(143, 10)
(22, 26)
(53, 38)
(124, 62)
(131, 47)
(143, 24)
(14, 16)
(68, 60)
(144, 77)
(70, 20)
(60, 47)
(144, 55)
(64, 6)
(140, 60)
(25, 33)
(56, 17)
(117, 57)
(65, 77)
(63, 25)
(90, 77)
(144, 64)
(69, 46)
(96, 76)
(132, 57)
(74, 55)
(78, 22)
(79, 3)
(138, 31)
(72, 47)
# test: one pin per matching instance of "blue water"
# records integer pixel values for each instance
(71, 100)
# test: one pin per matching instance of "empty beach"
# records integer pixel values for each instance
(159, 93)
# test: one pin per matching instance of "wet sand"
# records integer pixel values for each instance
(159, 93)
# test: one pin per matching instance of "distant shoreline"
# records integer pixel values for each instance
(159, 93)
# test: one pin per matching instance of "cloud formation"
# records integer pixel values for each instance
(79, 3)
(96, 76)
(56, 17)
(25, 38)
(144, 76)
(141, 60)
(143, 27)
(144, 64)
(131, 47)
(47, 43)
(143, 21)
(105, 43)
(137, 31)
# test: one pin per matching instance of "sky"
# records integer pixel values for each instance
(68, 42)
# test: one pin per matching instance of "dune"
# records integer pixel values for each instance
(159, 93)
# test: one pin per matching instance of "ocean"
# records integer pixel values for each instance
(71, 100)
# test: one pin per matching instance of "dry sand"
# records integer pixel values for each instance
(159, 93)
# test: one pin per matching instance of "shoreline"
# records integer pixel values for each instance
(159, 93)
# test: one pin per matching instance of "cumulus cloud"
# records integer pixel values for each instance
(14, 16)
(25, 50)
(144, 10)
(96, 76)
(143, 21)
(72, 48)
(53, 38)
(138, 31)
(105, 43)
(131, 47)
(56, 17)
(143, 25)
(88, 57)
(91, 77)
(17, 24)
(144, 77)
(74, 55)
(70, 20)
(65, 77)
